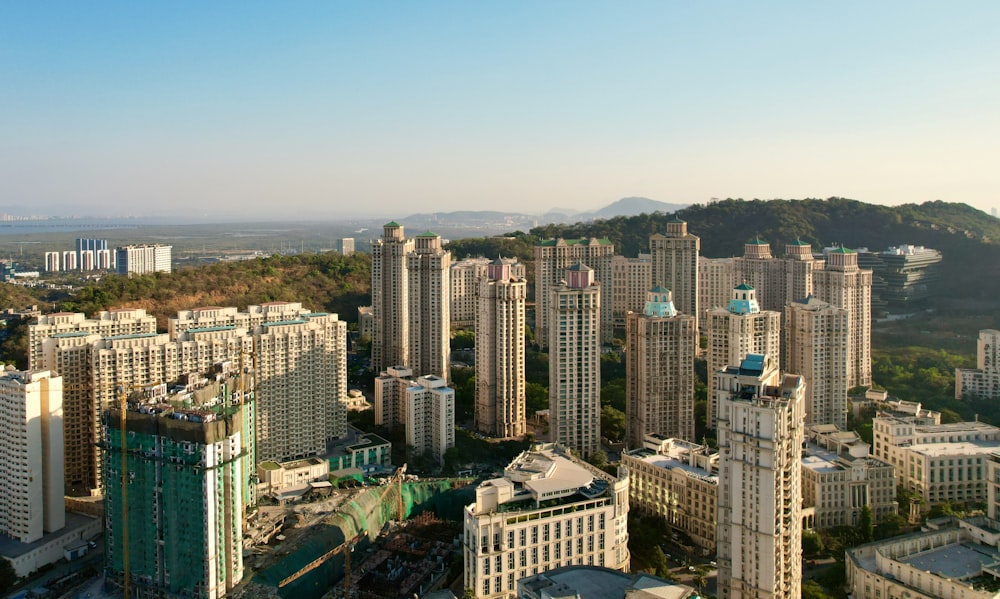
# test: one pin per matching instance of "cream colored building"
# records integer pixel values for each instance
(107, 323)
(429, 405)
(466, 276)
(549, 510)
(390, 388)
(674, 257)
(143, 259)
(941, 462)
(948, 559)
(31, 454)
(276, 478)
(500, 350)
(816, 338)
(984, 380)
(677, 481)
(739, 329)
(552, 258)
(840, 478)
(631, 278)
(716, 279)
(761, 431)
(844, 285)
(575, 361)
(660, 347)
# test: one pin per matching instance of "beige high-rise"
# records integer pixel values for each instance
(500, 375)
(660, 347)
(632, 280)
(552, 258)
(844, 285)
(674, 259)
(761, 431)
(816, 337)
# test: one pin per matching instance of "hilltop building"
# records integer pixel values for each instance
(660, 347)
(761, 431)
(575, 361)
(549, 510)
(903, 277)
(500, 351)
(984, 380)
(552, 258)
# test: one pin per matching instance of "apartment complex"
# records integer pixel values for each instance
(31, 454)
(660, 347)
(429, 405)
(500, 351)
(984, 380)
(842, 284)
(778, 280)
(674, 257)
(390, 394)
(733, 332)
(177, 483)
(940, 462)
(632, 280)
(677, 481)
(575, 361)
(761, 431)
(840, 478)
(549, 510)
(345, 246)
(466, 276)
(552, 258)
(716, 279)
(143, 259)
(410, 302)
(816, 338)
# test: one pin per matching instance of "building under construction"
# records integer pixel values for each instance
(177, 478)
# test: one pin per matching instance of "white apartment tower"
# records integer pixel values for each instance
(552, 258)
(675, 265)
(575, 361)
(52, 261)
(660, 347)
(761, 431)
(500, 375)
(390, 391)
(984, 380)
(429, 405)
(31, 454)
(739, 329)
(816, 337)
(846, 286)
(143, 259)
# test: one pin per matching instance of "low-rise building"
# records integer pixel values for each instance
(360, 450)
(950, 559)
(677, 481)
(840, 479)
(594, 582)
(547, 511)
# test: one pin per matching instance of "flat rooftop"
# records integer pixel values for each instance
(668, 462)
(11, 548)
(934, 450)
(959, 560)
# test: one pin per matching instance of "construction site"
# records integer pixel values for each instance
(394, 540)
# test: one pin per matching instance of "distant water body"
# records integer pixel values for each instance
(22, 227)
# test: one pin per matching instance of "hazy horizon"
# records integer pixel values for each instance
(316, 110)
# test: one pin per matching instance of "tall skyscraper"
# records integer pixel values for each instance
(466, 275)
(500, 375)
(575, 361)
(733, 332)
(175, 520)
(660, 347)
(776, 280)
(816, 335)
(31, 454)
(632, 280)
(552, 258)
(846, 286)
(761, 431)
(675, 265)
(52, 261)
(411, 302)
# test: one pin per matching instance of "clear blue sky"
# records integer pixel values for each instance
(300, 109)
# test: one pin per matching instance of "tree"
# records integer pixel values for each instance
(866, 528)
(612, 423)
(812, 543)
(8, 577)
(598, 458)
(812, 590)
(468, 593)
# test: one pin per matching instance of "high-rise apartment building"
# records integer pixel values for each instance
(69, 260)
(411, 302)
(52, 261)
(778, 280)
(466, 275)
(716, 279)
(632, 280)
(674, 257)
(739, 329)
(143, 259)
(660, 347)
(175, 519)
(429, 405)
(345, 246)
(552, 258)
(984, 380)
(575, 361)
(390, 393)
(31, 454)
(500, 351)
(844, 285)
(91, 247)
(816, 337)
(761, 431)
(548, 510)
